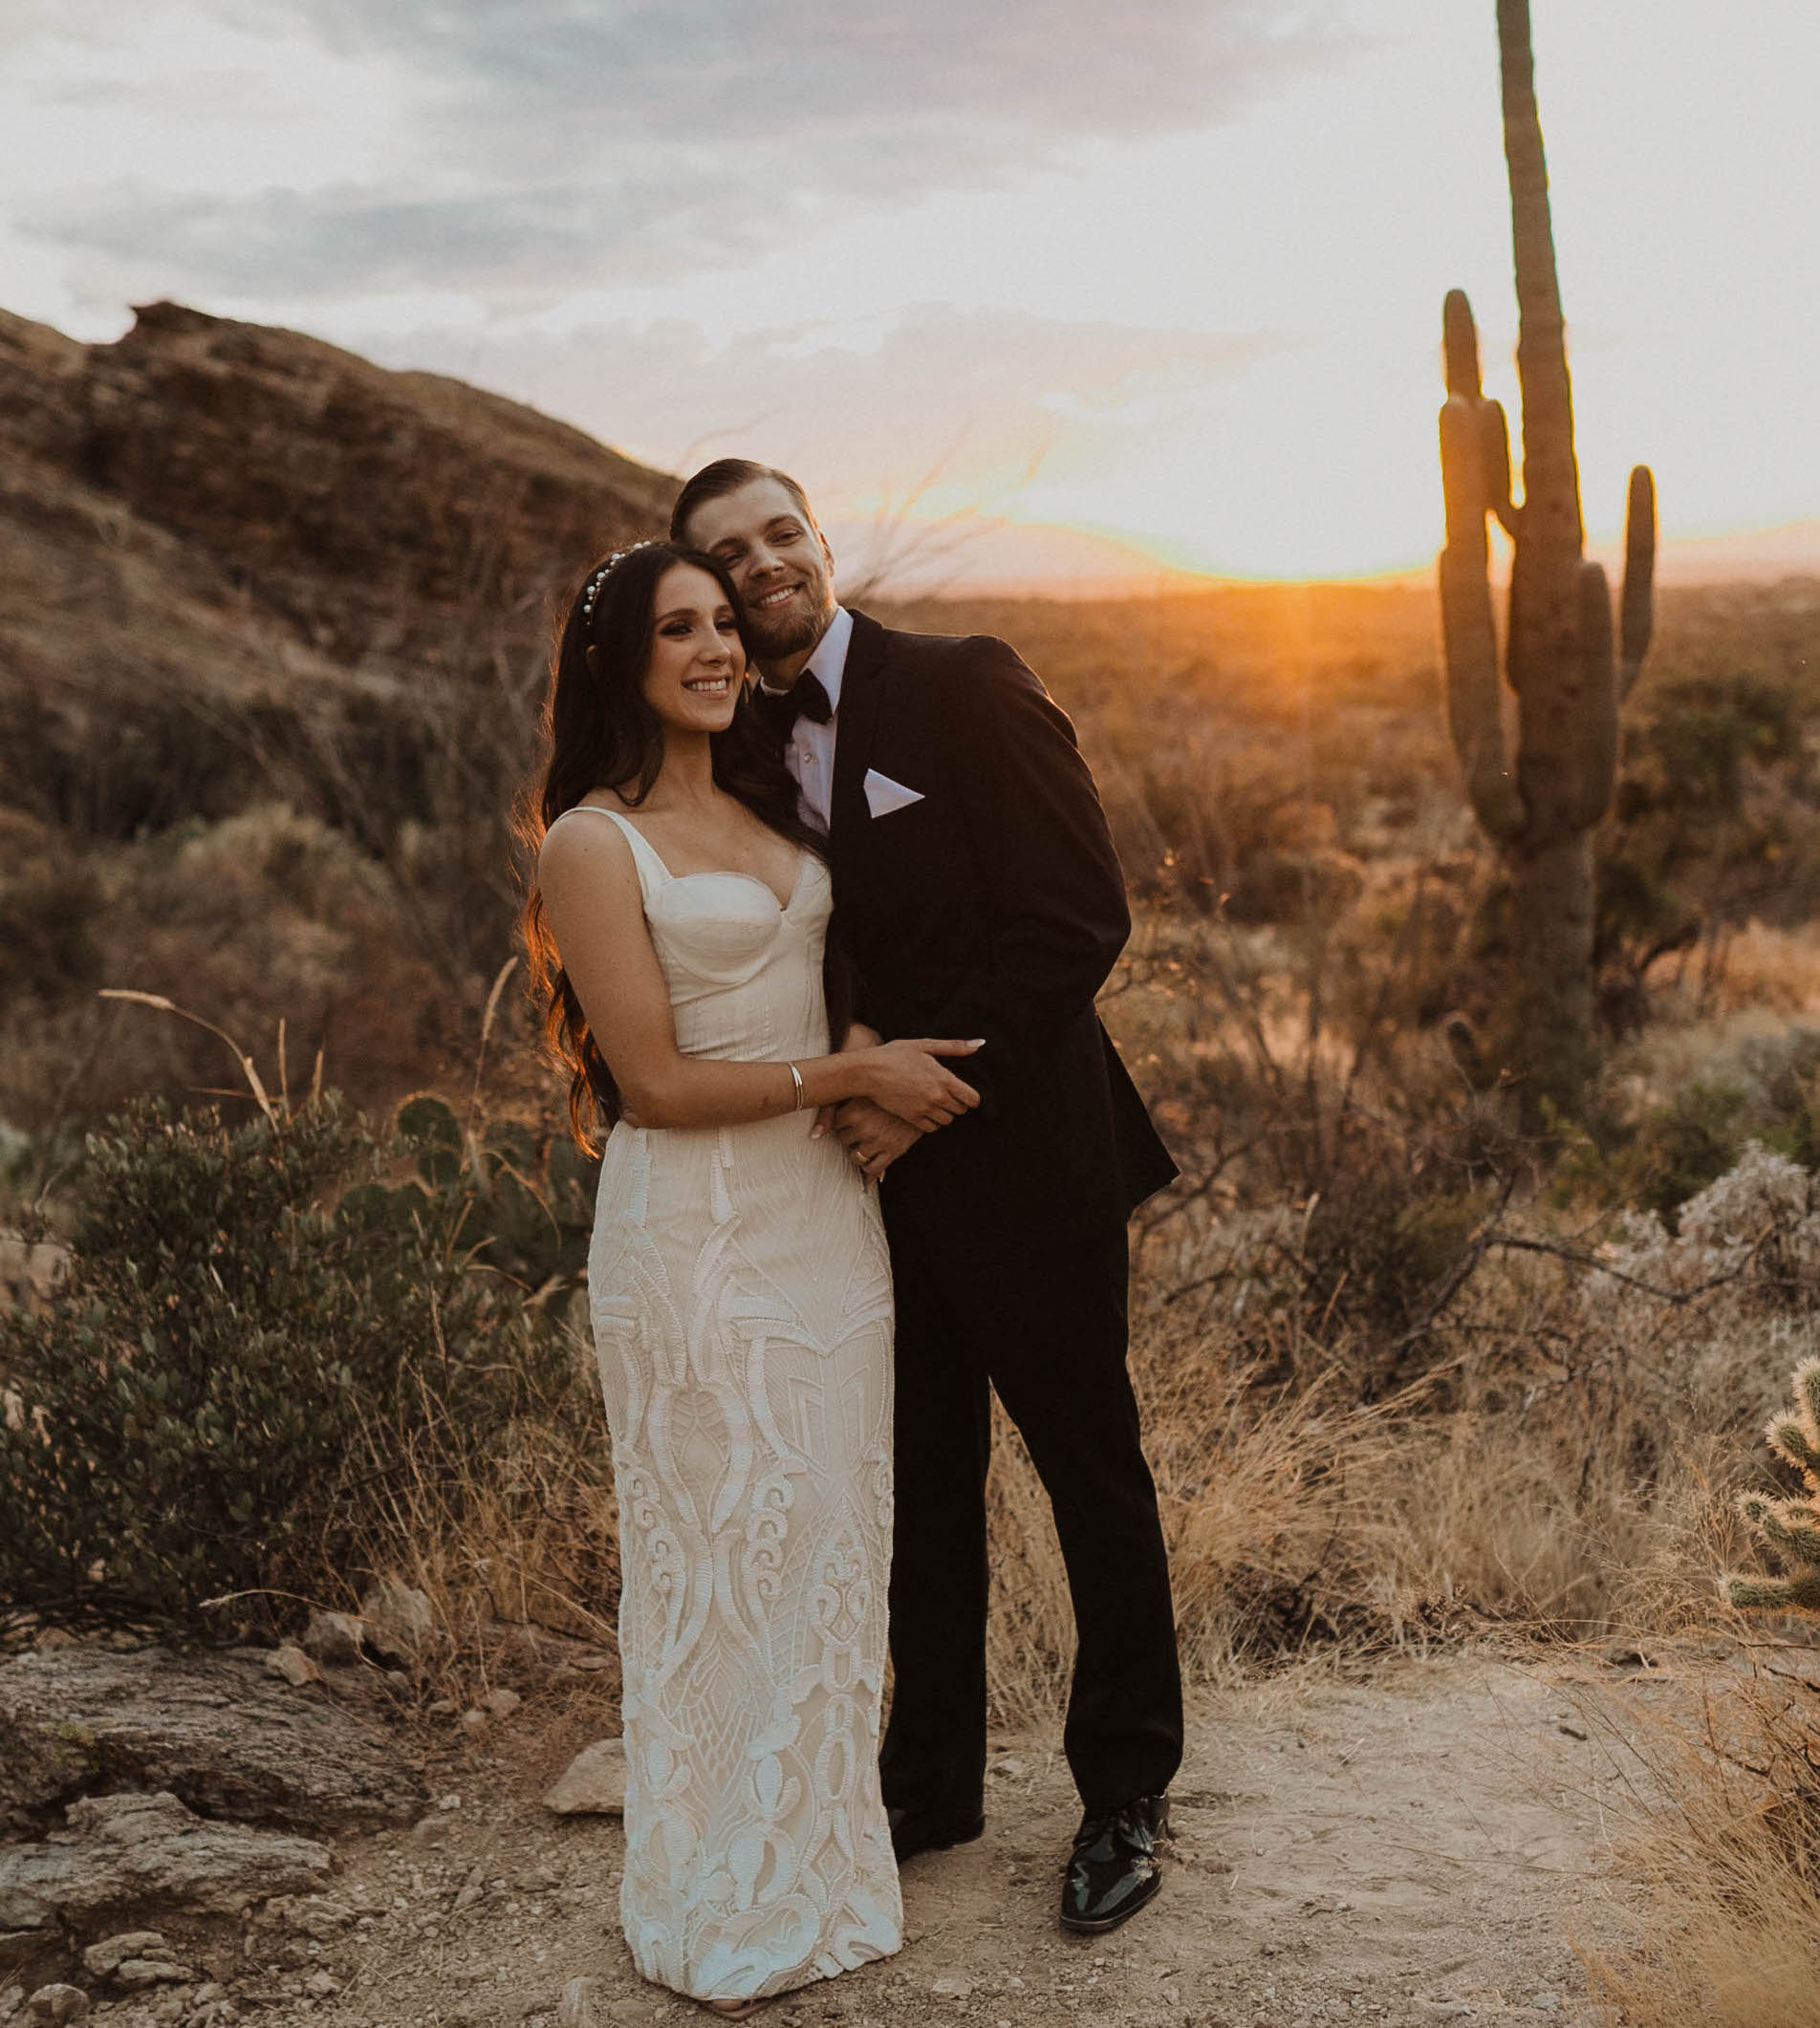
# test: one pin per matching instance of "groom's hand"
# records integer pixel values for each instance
(873, 1137)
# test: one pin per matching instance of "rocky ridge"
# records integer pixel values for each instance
(275, 624)
(152, 1870)
(217, 1732)
(227, 518)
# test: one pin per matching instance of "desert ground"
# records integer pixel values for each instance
(1431, 1839)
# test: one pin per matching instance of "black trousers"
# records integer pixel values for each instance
(1046, 1326)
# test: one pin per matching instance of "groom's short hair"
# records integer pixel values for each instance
(726, 475)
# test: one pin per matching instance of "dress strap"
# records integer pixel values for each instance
(652, 871)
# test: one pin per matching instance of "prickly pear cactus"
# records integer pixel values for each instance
(1790, 1528)
(1569, 676)
(492, 1197)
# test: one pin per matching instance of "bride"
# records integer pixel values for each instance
(739, 1286)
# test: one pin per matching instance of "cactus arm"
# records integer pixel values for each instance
(1639, 579)
(1595, 698)
(1770, 1594)
(1790, 1529)
(1786, 1436)
(1807, 1397)
(1469, 636)
(1460, 345)
(1495, 452)
(1474, 709)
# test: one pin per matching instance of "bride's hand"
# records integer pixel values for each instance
(857, 1037)
(904, 1078)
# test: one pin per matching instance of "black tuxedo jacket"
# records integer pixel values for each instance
(993, 906)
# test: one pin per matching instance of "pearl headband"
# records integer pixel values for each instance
(590, 590)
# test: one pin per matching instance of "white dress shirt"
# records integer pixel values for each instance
(810, 755)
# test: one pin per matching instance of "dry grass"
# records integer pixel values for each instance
(1729, 1843)
(1258, 1507)
(267, 915)
(1299, 1518)
(499, 1541)
(1770, 970)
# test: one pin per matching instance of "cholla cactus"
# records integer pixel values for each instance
(1792, 1527)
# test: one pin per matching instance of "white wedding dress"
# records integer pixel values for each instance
(741, 1296)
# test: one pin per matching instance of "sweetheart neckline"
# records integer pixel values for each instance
(805, 859)
(728, 872)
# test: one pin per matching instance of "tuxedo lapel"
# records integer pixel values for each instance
(861, 687)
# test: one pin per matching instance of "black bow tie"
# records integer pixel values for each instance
(805, 698)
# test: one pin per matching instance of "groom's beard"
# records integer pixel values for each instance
(773, 639)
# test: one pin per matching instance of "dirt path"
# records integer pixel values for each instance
(1419, 1848)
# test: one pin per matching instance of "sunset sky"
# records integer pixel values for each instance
(1170, 275)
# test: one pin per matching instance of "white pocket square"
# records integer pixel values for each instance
(883, 795)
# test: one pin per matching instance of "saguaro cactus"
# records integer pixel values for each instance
(1790, 1528)
(1559, 654)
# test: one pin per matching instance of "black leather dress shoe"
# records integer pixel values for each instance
(913, 1831)
(1113, 1870)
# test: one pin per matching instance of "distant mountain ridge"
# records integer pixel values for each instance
(248, 516)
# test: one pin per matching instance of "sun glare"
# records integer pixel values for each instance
(1292, 469)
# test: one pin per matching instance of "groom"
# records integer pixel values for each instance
(979, 894)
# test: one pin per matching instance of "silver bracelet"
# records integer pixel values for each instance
(796, 1079)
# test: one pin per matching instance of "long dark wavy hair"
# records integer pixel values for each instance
(599, 732)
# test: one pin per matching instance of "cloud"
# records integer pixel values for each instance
(857, 74)
(536, 147)
(349, 241)
(976, 401)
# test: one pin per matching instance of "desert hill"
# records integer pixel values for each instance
(274, 626)
(248, 519)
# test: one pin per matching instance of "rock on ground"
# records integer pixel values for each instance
(593, 1782)
(126, 1853)
(397, 1620)
(103, 1959)
(134, 1960)
(216, 1731)
(336, 1638)
(58, 2003)
(296, 1668)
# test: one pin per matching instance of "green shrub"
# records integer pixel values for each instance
(260, 1337)
(1690, 758)
(1654, 1163)
(529, 1218)
(1378, 1247)
(1764, 1088)
(1688, 1143)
